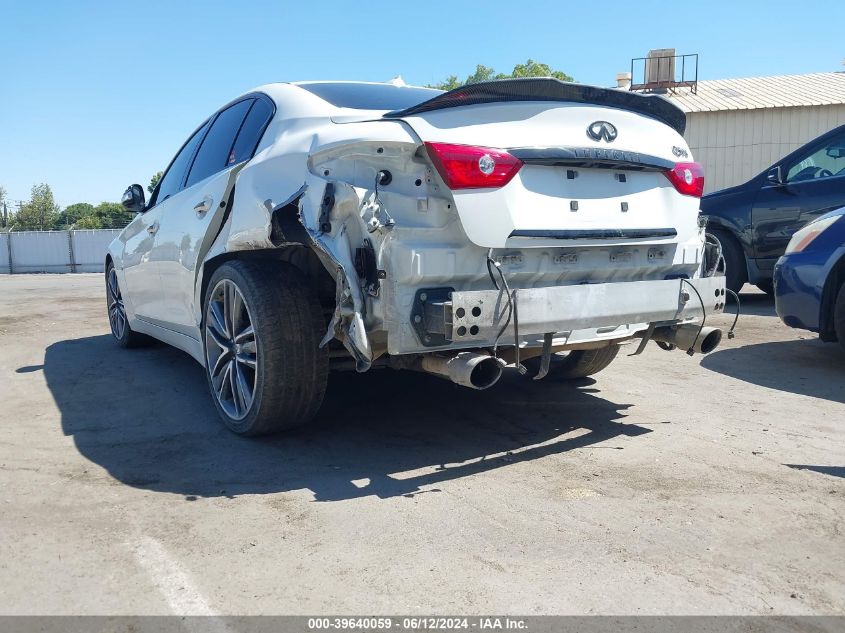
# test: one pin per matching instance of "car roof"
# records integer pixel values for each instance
(295, 99)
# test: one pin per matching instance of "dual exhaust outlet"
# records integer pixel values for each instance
(480, 371)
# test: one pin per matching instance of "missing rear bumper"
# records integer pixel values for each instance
(475, 318)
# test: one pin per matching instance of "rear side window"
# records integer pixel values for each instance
(370, 96)
(171, 183)
(214, 151)
(251, 131)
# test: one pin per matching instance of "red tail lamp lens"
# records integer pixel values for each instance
(687, 178)
(471, 167)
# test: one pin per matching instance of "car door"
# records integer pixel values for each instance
(813, 183)
(188, 228)
(142, 277)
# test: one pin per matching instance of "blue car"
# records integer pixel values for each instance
(809, 280)
(754, 221)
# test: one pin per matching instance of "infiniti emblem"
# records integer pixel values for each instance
(602, 130)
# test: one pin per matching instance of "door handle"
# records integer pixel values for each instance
(153, 228)
(202, 207)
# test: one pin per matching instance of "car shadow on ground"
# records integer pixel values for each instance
(833, 471)
(752, 304)
(807, 367)
(146, 417)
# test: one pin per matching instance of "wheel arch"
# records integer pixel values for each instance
(833, 282)
(723, 230)
(733, 226)
(298, 255)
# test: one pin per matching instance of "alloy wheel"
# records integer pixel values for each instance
(230, 349)
(117, 312)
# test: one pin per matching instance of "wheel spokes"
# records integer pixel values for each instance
(116, 309)
(238, 396)
(245, 335)
(235, 310)
(220, 364)
(231, 350)
(219, 338)
(114, 291)
(247, 360)
(220, 387)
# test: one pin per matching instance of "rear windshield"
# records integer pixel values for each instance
(370, 96)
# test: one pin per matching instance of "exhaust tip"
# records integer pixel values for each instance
(486, 373)
(710, 340)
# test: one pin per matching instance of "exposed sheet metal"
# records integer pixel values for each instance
(334, 250)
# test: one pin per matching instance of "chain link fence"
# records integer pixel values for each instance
(75, 251)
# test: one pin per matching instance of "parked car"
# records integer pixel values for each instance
(755, 221)
(335, 225)
(810, 278)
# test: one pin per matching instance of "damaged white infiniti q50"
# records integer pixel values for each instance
(321, 226)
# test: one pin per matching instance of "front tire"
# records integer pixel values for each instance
(124, 335)
(262, 327)
(839, 317)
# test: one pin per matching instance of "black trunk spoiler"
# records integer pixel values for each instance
(549, 89)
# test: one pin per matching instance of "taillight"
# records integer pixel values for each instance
(470, 167)
(688, 178)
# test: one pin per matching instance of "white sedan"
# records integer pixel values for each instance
(312, 226)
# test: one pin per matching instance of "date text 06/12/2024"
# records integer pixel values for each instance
(416, 623)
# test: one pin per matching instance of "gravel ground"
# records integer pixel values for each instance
(669, 484)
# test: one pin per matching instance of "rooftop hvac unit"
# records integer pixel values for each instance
(660, 66)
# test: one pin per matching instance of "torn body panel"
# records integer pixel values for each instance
(334, 248)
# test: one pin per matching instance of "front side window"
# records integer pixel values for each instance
(213, 154)
(171, 182)
(825, 162)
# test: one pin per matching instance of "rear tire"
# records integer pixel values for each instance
(839, 317)
(264, 365)
(736, 270)
(578, 363)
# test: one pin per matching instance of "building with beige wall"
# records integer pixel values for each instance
(736, 128)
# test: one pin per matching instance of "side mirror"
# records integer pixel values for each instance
(775, 176)
(133, 199)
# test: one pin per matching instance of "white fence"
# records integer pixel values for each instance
(81, 251)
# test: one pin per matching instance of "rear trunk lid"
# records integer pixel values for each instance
(594, 163)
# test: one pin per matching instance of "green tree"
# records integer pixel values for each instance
(73, 213)
(114, 215)
(88, 222)
(111, 215)
(482, 73)
(40, 213)
(154, 181)
(4, 213)
(530, 68)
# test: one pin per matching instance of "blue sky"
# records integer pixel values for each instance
(97, 95)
